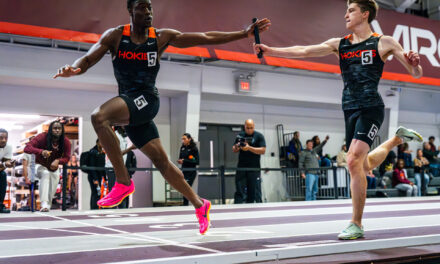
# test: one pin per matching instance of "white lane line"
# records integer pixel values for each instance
(165, 242)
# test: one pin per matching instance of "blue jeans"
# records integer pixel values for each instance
(311, 186)
(371, 181)
(418, 178)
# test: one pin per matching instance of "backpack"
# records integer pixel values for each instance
(84, 160)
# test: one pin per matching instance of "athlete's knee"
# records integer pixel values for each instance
(354, 161)
(99, 119)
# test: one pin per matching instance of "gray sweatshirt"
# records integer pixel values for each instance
(309, 159)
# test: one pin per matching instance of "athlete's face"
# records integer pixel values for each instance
(354, 16)
(142, 13)
(3, 140)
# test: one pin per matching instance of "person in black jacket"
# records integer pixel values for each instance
(96, 159)
(188, 158)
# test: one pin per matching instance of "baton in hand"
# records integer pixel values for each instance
(257, 37)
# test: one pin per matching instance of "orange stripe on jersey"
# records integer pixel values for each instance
(126, 31)
(151, 33)
(376, 34)
(347, 37)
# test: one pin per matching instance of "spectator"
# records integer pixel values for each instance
(431, 144)
(388, 164)
(188, 158)
(421, 165)
(341, 159)
(123, 143)
(5, 162)
(72, 180)
(309, 162)
(251, 145)
(295, 148)
(96, 158)
(51, 149)
(400, 180)
(371, 180)
(404, 153)
(130, 163)
(324, 161)
(431, 156)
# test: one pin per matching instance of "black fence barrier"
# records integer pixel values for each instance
(333, 182)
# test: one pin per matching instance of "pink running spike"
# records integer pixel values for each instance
(117, 195)
(202, 214)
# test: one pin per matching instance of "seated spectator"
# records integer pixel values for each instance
(400, 180)
(421, 165)
(51, 149)
(341, 159)
(371, 180)
(404, 153)
(431, 156)
(431, 144)
(324, 161)
(295, 148)
(388, 164)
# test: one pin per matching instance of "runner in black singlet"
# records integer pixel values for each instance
(136, 50)
(361, 56)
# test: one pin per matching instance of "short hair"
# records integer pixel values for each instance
(2, 130)
(309, 140)
(130, 4)
(431, 137)
(367, 5)
(295, 133)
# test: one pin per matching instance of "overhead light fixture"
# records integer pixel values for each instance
(10, 126)
(19, 116)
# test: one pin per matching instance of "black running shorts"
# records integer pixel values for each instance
(363, 124)
(143, 108)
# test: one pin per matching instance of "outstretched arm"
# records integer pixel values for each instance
(326, 48)
(410, 60)
(94, 55)
(185, 40)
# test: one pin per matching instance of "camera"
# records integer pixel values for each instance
(241, 141)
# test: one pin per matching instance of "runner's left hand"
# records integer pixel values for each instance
(412, 58)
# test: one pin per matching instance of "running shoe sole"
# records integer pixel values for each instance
(111, 206)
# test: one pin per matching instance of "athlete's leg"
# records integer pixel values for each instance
(378, 155)
(113, 112)
(356, 157)
(154, 150)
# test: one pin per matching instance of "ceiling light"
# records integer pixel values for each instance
(19, 116)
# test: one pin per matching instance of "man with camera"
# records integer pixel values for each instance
(251, 145)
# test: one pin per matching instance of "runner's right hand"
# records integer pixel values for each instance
(67, 71)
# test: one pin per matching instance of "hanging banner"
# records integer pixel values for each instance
(294, 22)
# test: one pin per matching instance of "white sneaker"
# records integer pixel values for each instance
(44, 207)
(408, 135)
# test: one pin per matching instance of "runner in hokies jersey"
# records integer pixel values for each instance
(136, 50)
(361, 55)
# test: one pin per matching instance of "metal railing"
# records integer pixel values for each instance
(334, 183)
